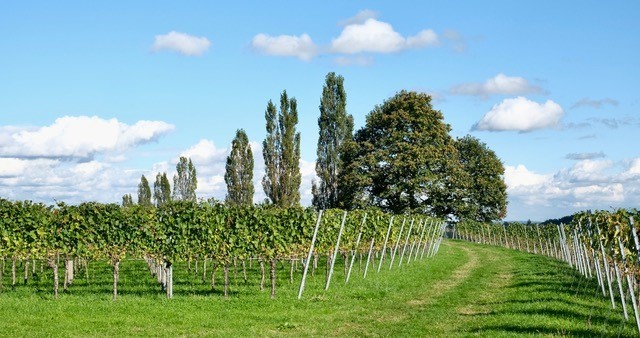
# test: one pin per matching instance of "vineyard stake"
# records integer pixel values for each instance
(395, 249)
(354, 251)
(366, 267)
(335, 251)
(306, 265)
(406, 242)
(629, 285)
(384, 247)
(606, 267)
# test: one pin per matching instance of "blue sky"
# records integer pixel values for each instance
(95, 95)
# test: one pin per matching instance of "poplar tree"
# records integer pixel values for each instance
(144, 192)
(336, 127)
(281, 151)
(161, 190)
(185, 182)
(239, 171)
(127, 200)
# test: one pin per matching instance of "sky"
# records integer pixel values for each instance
(94, 95)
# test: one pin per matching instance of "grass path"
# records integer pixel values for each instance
(466, 290)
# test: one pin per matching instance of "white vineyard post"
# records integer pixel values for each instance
(335, 251)
(629, 284)
(417, 246)
(620, 289)
(366, 267)
(306, 265)
(364, 219)
(432, 235)
(596, 261)
(506, 239)
(384, 247)
(395, 249)
(426, 239)
(540, 240)
(436, 247)
(433, 243)
(406, 242)
(578, 253)
(605, 263)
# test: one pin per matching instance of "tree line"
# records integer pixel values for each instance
(403, 160)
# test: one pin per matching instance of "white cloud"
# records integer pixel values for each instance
(520, 114)
(378, 37)
(78, 137)
(182, 43)
(301, 47)
(597, 104)
(592, 184)
(500, 84)
(359, 18)
(585, 156)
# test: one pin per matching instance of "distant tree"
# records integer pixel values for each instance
(487, 192)
(185, 182)
(403, 160)
(144, 192)
(127, 200)
(239, 171)
(162, 190)
(281, 151)
(336, 127)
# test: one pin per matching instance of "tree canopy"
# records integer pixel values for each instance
(239, 171)
(185, 181)
(335, 127)
(281, 151)
(144, 192)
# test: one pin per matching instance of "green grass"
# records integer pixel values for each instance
(466, 290)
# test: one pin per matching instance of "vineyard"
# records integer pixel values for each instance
(206, 236)
(602, 245)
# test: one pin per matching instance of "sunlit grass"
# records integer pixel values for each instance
(467, 289)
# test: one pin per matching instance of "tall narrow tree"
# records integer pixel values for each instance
(281, 151)
(336, 127)
(161, 190)
(127, 200)
(144, 192)
(239, 171)
(185, 182)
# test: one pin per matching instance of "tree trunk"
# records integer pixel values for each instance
(291, 271)
(235, 271)
(213, 276)
(54, 266)
(244, 272)
(261, 274)
(116, 274)
(315, 264)
(26, 271)
(204, 271)
(226, 279)
(273, 278)
(69, 267)
(13, 273)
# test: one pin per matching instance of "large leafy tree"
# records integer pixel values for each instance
(239, 171)
(487, 192)
(185, 181)
(404, 159)
(161, 190)
(127, 200)
(336, 127)
(281, 151)
(144, 192)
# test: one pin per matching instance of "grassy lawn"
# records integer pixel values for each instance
(466, 290)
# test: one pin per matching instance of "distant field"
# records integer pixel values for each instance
(467, 289)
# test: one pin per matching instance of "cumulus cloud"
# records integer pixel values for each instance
(500, 84)
(78, 137)
(520, 114)
(379, 37)
(585, 156)
(593, 103)
(181, 43)
(594, 184)
(301, 46)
